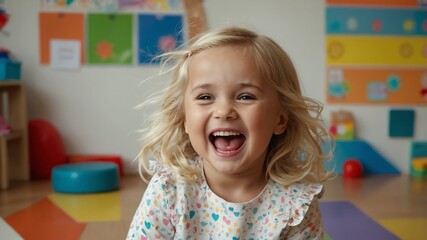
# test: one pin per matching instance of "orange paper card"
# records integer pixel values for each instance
(63, 26)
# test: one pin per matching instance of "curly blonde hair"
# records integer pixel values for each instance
(295, 155)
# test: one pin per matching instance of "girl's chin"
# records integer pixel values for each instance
(222, 165)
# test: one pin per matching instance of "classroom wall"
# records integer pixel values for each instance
(93, 108)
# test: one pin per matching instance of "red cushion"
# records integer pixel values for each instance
(46, 148)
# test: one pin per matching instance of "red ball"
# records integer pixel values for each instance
(352, 168)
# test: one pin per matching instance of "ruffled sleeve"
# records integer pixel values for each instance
(305, 221)
(302, 198)
(157, 167)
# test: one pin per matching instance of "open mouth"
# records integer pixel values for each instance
(227, 141)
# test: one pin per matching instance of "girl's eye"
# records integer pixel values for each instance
(205, 97)
(246, 97)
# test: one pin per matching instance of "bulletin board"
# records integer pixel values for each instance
(121, 32)
(104, 5)
(114, 5)
(376, 51)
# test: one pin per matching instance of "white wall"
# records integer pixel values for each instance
(93, 107)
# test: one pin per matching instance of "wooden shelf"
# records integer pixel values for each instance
(15, 134)
(10, 83)
(14, 161)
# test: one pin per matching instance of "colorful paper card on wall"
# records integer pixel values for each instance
(59, 3)
(110, 38)
(385, 3)
(106, 5)
(65, 26)
(374, 86)
(65, 54)
(103, 5)
(158, 34)
(376, 54)
(383, 21)
(157, 5)
(380, 52)
(401, 123)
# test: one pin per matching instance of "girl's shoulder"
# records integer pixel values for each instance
(167, 187)
(165, 178)
(162, 180)
(296, 199)
(298, 190)
(163, 175)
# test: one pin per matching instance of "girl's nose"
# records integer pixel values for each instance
(225, 110)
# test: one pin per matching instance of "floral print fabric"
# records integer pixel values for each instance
(173, 209)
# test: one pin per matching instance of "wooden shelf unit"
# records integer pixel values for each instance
(14, 160)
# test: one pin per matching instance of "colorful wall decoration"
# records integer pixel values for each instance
(63, 26)
(158, 34)
(112, 44)
(157, 5)
(376, 51)
(118, 30)
(105, 5)
(113, 5)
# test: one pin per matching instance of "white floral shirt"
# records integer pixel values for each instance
(173, 209)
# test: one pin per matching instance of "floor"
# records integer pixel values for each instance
(380, 206)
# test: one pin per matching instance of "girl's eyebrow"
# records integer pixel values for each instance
(241, 85)
(201, 86)
(250, 85)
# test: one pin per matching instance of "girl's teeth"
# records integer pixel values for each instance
(225, 134)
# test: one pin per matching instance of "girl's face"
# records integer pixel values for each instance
(231, 111)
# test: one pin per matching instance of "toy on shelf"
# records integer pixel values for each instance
(4, 127)
(9, 68)
(342, 125)
(4, 18)
(418, 165)
(4, 53)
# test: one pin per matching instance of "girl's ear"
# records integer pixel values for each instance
(185, 127)
(281, 123)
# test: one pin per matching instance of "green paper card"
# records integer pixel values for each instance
(110, 38)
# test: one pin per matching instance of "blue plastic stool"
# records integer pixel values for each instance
(87, 177)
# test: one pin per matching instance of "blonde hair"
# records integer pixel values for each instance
(295, 155)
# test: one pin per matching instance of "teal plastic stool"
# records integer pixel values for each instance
(87, 177)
